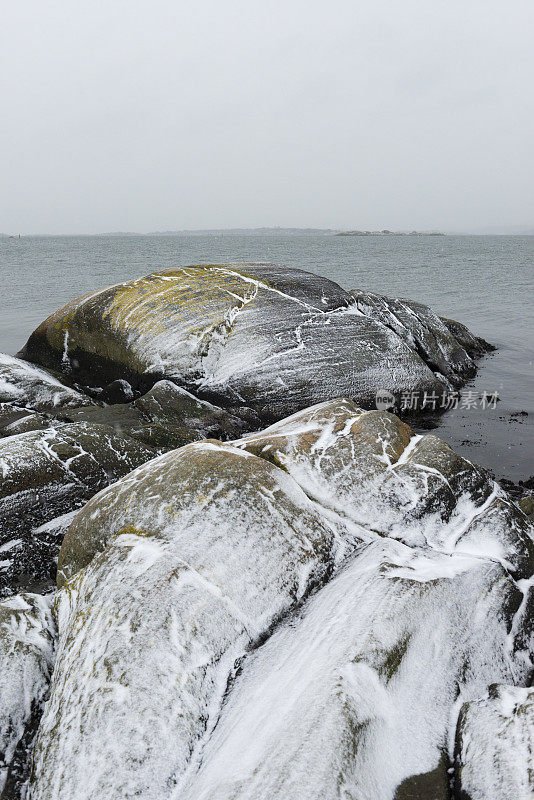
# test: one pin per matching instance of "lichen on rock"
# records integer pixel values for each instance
(291, 614)
(273, 338)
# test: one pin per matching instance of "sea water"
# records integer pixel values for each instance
(486, 282)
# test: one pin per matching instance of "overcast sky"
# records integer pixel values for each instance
(170, 114)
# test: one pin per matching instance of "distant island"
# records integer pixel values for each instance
(389, 233)
(279, 231)
(274, 231)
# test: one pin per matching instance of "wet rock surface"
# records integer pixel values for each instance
(475, 346)
(326, 616)
(317, 609)
(272, 338)
(45, 475)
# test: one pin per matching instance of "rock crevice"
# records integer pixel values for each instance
(315, 656)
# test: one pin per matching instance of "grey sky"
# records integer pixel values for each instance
(133, 115)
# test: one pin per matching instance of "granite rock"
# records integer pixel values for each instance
(45, 475)
(274, 339)
(286, 615)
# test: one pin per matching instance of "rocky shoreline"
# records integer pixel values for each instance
(225, 574)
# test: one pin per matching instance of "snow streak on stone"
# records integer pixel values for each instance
(26, 656)
(495, 756)
(241, 331)
(300, 613)
(27, 385)
(356, 694)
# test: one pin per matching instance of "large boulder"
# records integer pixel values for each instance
(357, 699)
(300, 613)
(273, 338)
(200, 553)
(371, 471)
(27, 634)
(45, 475)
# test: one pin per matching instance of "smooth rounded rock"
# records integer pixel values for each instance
(275, 339)
(25, 385)
(284, 615)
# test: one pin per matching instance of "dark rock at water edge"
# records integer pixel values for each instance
(378, 572)
(474, 345)
(275, 339)
(447, 347)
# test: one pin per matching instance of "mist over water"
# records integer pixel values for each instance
(486, 282)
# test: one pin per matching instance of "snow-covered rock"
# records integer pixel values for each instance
(201, 552)
(48, 468)
(369, 468)
(166, 417)
(46, 474)
(357, 697)
(26, 385)
(425, 332)
(27, 633)
(273, 338)
(300, 613)
(495, 758)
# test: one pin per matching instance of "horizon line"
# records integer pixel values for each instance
(514, 230)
